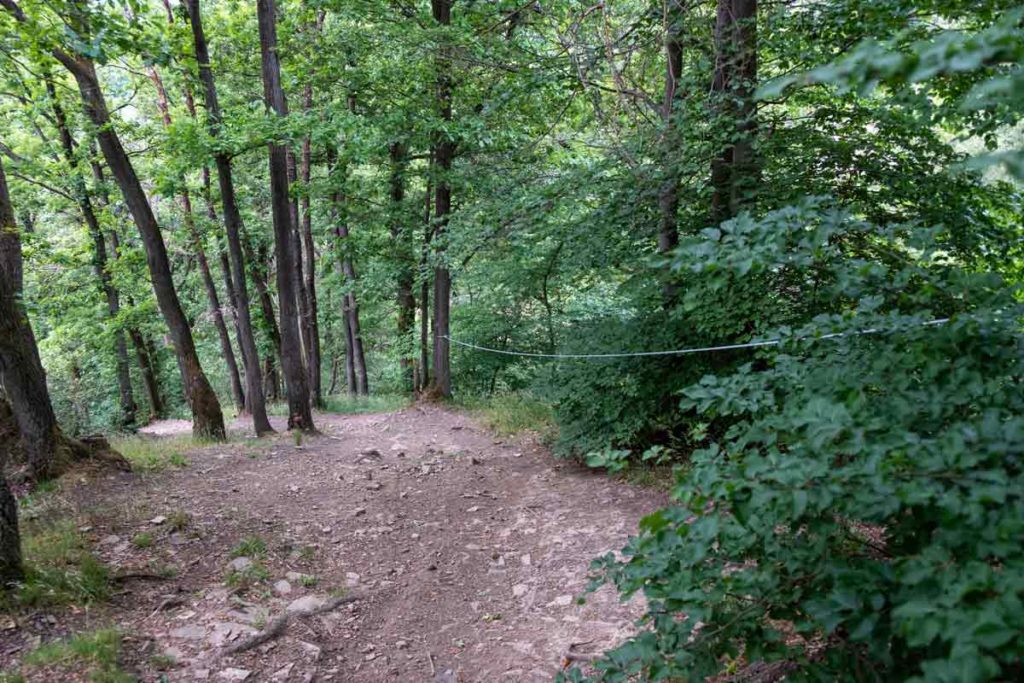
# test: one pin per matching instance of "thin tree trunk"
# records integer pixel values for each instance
(444, 150)
(402, 238)
(204, 265)
(299, 413)
(21, 372)
(99, 260)
(234, 231)
(301, 298)
(350, 353)
(207, 419)
(668, 195)
(311, 323)
(428, 233)
(147, 363)
(355, 357)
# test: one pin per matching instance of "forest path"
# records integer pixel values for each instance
(470, 551)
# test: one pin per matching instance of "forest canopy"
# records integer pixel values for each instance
(225, 207)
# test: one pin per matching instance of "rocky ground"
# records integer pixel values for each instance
(407, 546)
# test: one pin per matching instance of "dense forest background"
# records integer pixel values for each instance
(570, 178)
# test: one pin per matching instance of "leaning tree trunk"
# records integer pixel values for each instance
(299, 413)
(99, 260)
(207, 419)
(444, 151)
(21, 372)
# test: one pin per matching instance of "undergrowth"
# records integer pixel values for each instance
(150, 454)
(508, 414)
(94, 654)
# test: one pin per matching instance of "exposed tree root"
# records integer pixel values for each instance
(276, 627)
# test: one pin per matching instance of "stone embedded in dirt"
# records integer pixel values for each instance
(561, 601)
(351, 579)
(311, 650)
(199, 674)
(306, 603)
(374, 486)
(473, 460)
(282, 587)
(475, 508)
(233, 674)
(296, 576)
(283, 673)
(239, 564)
(370, 453)
(401, 644)
(525, 559)
(369, 647)
(326, 530)
(415, 537)
(358, 511)
(190, 632)
(112, 539)
(159, 519)
(519, 590)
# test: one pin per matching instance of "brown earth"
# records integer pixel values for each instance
(467, 553)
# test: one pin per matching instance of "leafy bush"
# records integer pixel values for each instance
(864, 509)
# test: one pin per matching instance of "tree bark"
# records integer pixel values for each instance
(402, 238)
(21, 372)
(734, 171)
(299, 413)
(99, 260)
(444, 151)
(234, 230)
(207, 419)
(11, 570)
(668, 195)
(311, 323)
(428, 232)
(204, 264)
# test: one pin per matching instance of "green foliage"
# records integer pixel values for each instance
(150, 454)
(868, 490)
(93, 654)
(250, 546)
(142, 540)
(59, 568)
(508, 414)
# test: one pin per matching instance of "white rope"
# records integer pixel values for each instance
(683, 352)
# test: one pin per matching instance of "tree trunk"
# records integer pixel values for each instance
(734, 171)
(21, 372)
(428, 233)
(444, 150)
(402, 238)
(11, 571)
(299, 412)
(207, 419)
(355, 358)
(233, 229)
(301, 298)
(311, 323)
(204, 264)
(99, 260)
(668, 194)
(147, 363)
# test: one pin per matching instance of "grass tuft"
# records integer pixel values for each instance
(377, 403)
(96, 652)
(510, 414)
(250, 546)
(150, 454)
(59, 569)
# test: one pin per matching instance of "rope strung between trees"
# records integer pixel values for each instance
(684, 352)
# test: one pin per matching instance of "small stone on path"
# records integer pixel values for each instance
(233, 674)
(190, 632)
(306, 603)
(282, 587)
(239, 564)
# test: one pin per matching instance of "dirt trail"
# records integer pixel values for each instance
(470, 552)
